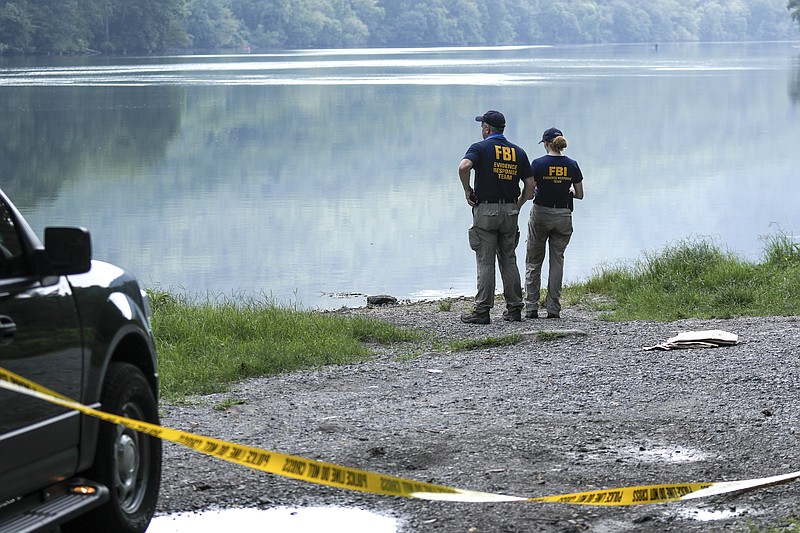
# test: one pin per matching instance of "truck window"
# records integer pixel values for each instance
(12, 257)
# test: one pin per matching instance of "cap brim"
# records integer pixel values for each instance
(479, 119)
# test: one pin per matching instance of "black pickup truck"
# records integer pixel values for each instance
(80, 327)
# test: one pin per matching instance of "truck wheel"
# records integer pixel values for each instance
(127, 462)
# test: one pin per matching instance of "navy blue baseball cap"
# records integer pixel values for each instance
(551, 134)
(493, 118)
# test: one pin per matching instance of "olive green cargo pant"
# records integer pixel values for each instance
(552, 227)
(495, 234)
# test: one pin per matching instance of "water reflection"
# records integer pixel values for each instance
(50, 137)
(278, 520)
(470, 66)
(307, 174)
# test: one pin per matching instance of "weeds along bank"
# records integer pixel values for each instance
(205, 345)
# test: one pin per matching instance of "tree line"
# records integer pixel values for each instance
(147, 26)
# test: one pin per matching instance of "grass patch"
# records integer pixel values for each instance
(227, 403)
(550, 335)
(204, 346)
(696, 278)
(486, 342)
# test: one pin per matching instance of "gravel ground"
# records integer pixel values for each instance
(585, 411)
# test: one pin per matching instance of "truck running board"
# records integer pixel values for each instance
(52, 506)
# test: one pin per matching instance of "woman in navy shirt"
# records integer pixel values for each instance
(558, 180)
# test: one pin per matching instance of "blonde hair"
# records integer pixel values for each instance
(559, 143)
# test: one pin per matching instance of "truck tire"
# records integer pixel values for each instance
(127, 462)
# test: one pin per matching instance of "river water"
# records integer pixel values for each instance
(318, 177)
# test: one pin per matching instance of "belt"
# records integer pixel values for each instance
(500, 201)
(557, 205)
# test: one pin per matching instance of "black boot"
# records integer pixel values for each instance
(476, 318)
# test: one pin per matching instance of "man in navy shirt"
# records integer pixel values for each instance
(495, 199)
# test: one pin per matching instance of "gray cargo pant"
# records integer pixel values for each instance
(495, 233)
(553, 226)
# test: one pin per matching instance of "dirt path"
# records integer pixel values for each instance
(585, 411)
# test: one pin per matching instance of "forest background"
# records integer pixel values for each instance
(152, 26)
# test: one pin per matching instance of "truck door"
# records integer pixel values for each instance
(40, 339)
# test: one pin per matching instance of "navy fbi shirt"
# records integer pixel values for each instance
(499, 166)
(554, 174)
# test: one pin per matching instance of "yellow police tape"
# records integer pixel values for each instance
(353, 479)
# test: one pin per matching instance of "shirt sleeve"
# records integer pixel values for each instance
(473, 153)
(525, 168)
(534, 168)
(578, 174)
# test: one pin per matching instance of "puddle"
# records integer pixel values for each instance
(669, 455)
(646, 455)
(277, 520)
(709, 515)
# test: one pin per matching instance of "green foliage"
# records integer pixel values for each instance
(211, 24)
(204, 346)
(780, 251)
(146, 25)
(69, 26)
(794, 8)
(697, 279)
(16, 28)
(78, 26)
